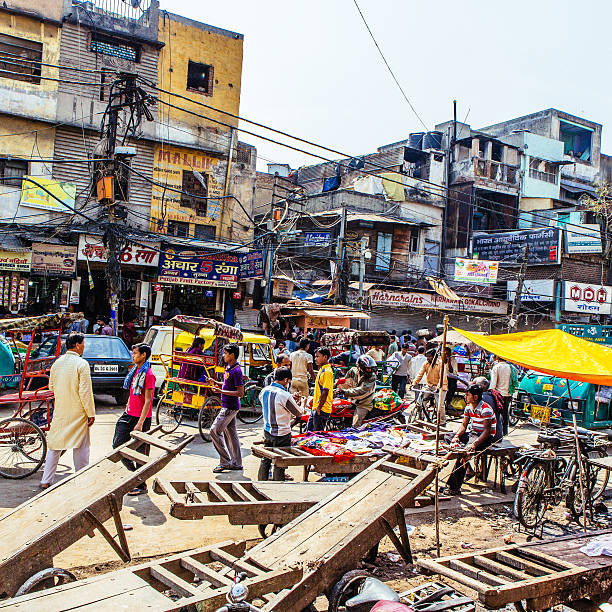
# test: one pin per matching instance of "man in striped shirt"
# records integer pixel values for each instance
(477, 432)
(278, 408)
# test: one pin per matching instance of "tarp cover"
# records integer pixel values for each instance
(193, 325)
(40, 322)
(553, 352)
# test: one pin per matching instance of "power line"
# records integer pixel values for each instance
(388, 66)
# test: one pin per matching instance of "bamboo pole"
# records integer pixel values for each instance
(578, 455)
(440, 408)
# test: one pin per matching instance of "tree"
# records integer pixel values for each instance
(601, 205)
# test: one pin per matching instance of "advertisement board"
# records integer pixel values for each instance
(92, 249)
(54, 259)
(34, 196)
(476, 270)
(586, 298)
(509, 247)
(317, 239)
(418, 299)
(198, 269)
(251, 265)
(585, 239)
(533, 290)
(15, 261)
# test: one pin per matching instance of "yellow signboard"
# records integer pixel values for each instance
(38, 192)
(171, 164)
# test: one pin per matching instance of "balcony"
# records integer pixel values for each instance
(540, 175)
(486, 174)
(496, 171)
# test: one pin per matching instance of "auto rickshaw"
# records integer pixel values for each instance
(547, 399)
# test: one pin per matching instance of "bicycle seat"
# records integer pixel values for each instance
(550, 440)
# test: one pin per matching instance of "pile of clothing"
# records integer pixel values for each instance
(367, 440)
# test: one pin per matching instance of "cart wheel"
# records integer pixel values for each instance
(265, 531)
(208, 413)
(345, 588)
(23, 448)
(168, 414)
(46, 579)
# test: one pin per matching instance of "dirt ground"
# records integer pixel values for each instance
(155, 533)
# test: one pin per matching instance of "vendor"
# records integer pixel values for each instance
(360, 386)
(477, 432)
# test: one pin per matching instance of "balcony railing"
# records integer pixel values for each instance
(128, 11)
(496, 171)
(547, 177)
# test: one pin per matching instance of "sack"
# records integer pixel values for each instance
(514, 380)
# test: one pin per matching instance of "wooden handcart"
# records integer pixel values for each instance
(37, 530)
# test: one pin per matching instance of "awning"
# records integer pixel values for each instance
(338, 314)
(551, 352)
(354, 215)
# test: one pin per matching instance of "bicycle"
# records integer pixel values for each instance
(548, 478)
(423, 407)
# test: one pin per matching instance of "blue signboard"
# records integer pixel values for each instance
(251, 265)
(198, 268)
(317, 239)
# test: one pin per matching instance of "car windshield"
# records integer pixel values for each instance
(150, 336)
(105, 347)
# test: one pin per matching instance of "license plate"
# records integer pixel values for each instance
(98, 367)
(542, 413)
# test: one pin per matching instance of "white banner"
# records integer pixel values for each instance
(586, 298)
(533, 290)
(92, 248)
(585, 239)
(417, 299)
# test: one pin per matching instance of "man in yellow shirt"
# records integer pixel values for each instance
(323, 392)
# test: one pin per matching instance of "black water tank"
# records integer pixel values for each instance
(432, 140)
(416, 140)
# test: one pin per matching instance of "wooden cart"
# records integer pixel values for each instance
(541, 574)
(33, 533)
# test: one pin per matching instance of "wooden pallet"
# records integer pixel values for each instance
(292, 456)
(37, 530)
(244, 503)
(541, 573)
(202, 576)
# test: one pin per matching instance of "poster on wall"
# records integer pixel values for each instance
(317, 239)
(585, 239)
(533, 290)
(47, 194)
(508, 247)
(198, 269)
(476, 270)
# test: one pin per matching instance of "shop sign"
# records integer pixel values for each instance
(237, 295)
(508, 247)
(533, 290)
(15, 261)
(586, 298)
(586, 239)
(317, 239)
(75, 290)
(417, 299)
(198, 269)
(54, 259)
(282, 288)
(34, 196)
(476, 270)
(251, 265)
(92, 249)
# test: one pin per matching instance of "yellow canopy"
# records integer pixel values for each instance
(553, 352)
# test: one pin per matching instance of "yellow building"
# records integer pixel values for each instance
(203, 64)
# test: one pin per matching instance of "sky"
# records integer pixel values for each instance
(311, 69)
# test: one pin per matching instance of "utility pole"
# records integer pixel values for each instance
(269, 269)
(516, 303)
(362, 259)
(125, 97)
(340, 257)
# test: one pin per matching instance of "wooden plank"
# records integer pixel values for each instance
(523, 564)
(435, 567)
(242, 493)
(165, 486)
(546, 560)
(176, 583)
(206, 573)
(195, 493)
(400, 469)
(260, 451)
(133, 455)
(478, 574)
(157, 442)
(221, 494)
(499, 568)
(226, 558)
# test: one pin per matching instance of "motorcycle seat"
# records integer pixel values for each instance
(550, 440)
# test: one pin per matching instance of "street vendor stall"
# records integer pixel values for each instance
(313, 316)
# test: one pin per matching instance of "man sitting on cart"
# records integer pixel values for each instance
(360, 386)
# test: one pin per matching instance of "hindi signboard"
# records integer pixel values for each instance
(585, 239)
(508, 247)
(54, 259)
(317, 239)
(476, 270)
(251, 265)
(198, 269)
(587, 298)
(92, 249)
(15, 261)
(418, 299)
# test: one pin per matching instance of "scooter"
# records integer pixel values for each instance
(237, 597)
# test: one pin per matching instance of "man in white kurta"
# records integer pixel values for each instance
(74, 412)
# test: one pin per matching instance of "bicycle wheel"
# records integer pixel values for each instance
(529, 503)
(23, 448)
(595, 488)
(168, 414)
(513, 418)
(208, 413)
(251, 411)
(600, 476)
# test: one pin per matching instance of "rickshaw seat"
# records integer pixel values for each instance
(26, 396)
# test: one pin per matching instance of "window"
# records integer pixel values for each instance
(20, 59)
(383, 252)
(195, 185)
(178, 229)
(204, 232)
(200, 78)
(576, 140)
(414, 242)
(542, 170)
(12, 171)
(113, 47)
